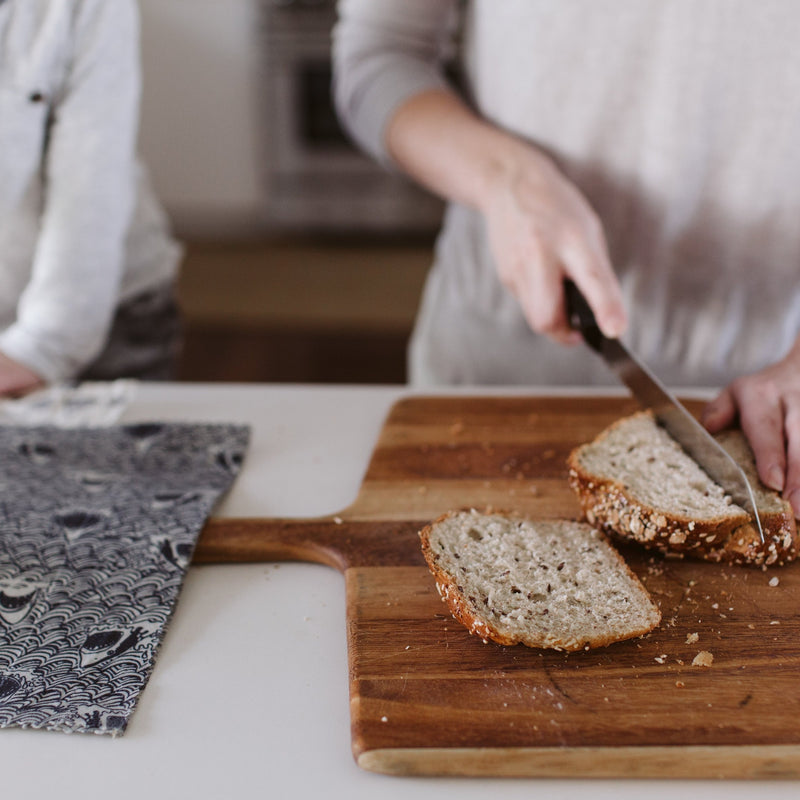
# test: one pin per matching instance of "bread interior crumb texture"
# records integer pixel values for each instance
(737, 447)
(545, 583)
(639, 454)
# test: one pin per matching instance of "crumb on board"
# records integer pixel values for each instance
(692, 638)
(703, 659)
(680, 684)
(774, 581)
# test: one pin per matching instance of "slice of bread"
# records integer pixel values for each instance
(552, 584)
(635, 481)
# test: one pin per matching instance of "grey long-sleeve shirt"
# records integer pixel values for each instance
(679, 120)
(80, 229)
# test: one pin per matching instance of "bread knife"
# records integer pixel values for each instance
(668, 411)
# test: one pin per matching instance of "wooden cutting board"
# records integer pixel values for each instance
(428, 698)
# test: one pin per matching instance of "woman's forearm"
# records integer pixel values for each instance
(444, 145)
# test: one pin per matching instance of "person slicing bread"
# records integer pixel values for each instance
(661, 177)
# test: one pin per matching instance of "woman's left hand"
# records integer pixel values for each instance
(767, 404)
(16, 379)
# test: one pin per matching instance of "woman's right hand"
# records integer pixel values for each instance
(541, 228)
(541, 231)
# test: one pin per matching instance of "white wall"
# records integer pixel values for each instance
(199, 126)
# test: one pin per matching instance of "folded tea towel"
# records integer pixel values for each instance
(97, 528)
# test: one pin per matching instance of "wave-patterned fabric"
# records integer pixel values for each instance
(97, 528)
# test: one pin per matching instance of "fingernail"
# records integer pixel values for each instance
(775, 480)
(794, 499)
(708, 414)
(711, 419)
(613, 327)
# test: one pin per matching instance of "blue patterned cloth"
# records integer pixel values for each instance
(97, 529)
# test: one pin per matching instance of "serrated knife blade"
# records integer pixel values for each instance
(666, 408)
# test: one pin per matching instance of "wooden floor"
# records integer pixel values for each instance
(300, 311)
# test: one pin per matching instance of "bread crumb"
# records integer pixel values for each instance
(703, 659)
(692, 638)
(774, 622)
(384, 719)
(680, 684)
(337, 520)
(661, 659)
(774, 581)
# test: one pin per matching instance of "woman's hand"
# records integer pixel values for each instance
(541, 231)
(16, 379)
(541, 228)
(767, 405)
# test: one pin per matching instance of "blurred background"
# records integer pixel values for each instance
(304, 260)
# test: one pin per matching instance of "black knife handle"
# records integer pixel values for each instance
(581, 317)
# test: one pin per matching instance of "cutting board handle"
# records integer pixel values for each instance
(335, 541)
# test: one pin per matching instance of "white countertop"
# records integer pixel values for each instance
(249, 696)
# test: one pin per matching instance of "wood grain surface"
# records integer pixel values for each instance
(428, 698)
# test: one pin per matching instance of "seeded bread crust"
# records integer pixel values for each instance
(479, 624)
(730, 538)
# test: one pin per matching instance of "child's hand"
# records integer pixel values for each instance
(16, 379)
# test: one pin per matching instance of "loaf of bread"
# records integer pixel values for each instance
(549, 584)
(636, 482)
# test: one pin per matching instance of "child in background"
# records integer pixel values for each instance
(87, 264)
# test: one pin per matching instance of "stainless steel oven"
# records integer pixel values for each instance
(315, 178)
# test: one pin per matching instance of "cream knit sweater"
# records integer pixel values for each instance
(680, 122)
